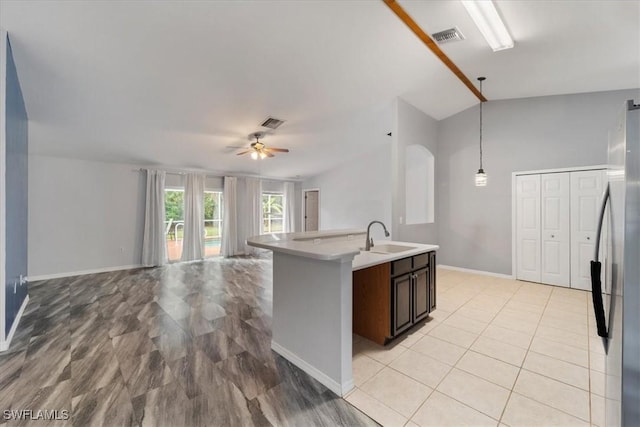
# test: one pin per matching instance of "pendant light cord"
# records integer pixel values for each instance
(481, 79)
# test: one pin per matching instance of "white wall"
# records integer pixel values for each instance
(176, 181)
(83, 215)
(474, 223)
(356, 192)
(87, 216)
(413, 127)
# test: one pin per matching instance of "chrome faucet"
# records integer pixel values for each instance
(369, 244)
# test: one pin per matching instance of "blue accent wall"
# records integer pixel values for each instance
(16, 195)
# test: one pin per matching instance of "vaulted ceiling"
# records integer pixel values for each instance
(175, 83)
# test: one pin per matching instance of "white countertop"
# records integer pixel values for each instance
(335, 245)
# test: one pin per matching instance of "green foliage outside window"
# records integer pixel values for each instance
(174, 205)
(272, 210)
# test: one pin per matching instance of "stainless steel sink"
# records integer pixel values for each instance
(390, 249)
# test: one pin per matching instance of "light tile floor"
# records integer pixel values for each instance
(496, 351)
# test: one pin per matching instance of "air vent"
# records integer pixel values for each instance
(272, 123)
(447, 36)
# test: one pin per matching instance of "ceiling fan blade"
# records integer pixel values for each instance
(243, 152)
(278, 150)
(268, 153)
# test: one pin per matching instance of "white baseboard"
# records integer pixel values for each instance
(481, 272)
(4, 345)
(325, 380)
(83, 272)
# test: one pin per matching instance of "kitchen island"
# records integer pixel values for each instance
(313, 296)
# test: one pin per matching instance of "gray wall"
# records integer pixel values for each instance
(412, 127)
(474, 224)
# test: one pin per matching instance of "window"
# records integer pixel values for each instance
(212, 222)
(174, 222)
(272, 212)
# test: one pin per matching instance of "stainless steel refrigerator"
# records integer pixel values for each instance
(617, 299)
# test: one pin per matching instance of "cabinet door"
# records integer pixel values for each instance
(528, 228)
(586, 195)
(555, 229)
(432, 281)
(401, 290)
(420, 294)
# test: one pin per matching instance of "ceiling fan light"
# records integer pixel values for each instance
(262, 155)
(488, 21)
(254, 155)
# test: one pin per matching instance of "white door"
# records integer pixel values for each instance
(586, 195)
(311, 210)
(528, 227)
(555, 229)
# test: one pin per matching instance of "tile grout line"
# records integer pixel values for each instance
(376, 400)
(465, 352)
(525, 358)
(554, 379)
(548, 299)
(433, 389)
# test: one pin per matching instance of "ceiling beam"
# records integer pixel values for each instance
(427, 40)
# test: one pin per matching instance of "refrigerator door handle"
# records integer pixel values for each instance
(605, 199)
(596, 268)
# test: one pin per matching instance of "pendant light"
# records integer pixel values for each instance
(481, 176)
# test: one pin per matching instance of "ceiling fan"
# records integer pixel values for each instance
(258, 150)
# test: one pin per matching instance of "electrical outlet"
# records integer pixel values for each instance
(401, 220)
(122, 249)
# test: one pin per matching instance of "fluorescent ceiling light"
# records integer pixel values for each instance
(488, 21)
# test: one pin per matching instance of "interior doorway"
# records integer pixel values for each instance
(310, 209)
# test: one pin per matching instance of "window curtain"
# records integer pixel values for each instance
(229, 243)
(289, 207)
(154, 244)
(193, 243)
(251, 213)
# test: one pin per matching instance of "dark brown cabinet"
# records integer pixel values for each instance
(421, 307)
(432, 281)
(411, 292)
(402, 296)
(390, 298)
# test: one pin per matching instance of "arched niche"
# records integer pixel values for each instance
(419, 167)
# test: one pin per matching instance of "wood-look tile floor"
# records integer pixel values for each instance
(495, 352)
(183, 345)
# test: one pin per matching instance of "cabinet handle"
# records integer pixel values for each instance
(588, 238)
(552, 236)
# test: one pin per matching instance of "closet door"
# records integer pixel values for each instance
(555, 234)
(586, 194)
(528, 228)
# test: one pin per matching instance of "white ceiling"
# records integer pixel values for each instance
(175, 83)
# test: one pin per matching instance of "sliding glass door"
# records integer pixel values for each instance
(174, 222)
(212, 222)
